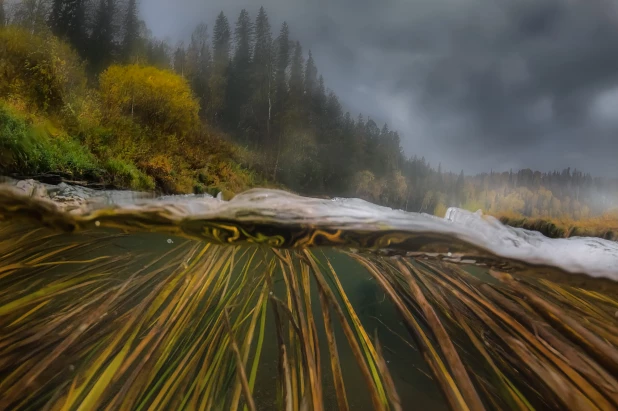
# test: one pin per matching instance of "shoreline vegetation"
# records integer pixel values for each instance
(142, 337)
(604, 226)
(101, 101)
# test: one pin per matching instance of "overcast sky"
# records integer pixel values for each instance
(474, 84)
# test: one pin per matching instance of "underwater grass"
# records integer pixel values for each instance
(90, 321)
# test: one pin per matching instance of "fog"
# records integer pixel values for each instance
(474, 84)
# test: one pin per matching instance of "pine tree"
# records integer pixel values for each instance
(180, 60)
(296, 84)
(102, 46)
(198, 62)
(2, 14)
(56, 17)
(158, 54)
(283, 61)
(311, 77)
(68, 21)
(281, 88)
(319, 100)
(239, 86)
(201, 86)
(263, 77)
(221, 41)
(243, 36)
(219, 76)
(131, 31)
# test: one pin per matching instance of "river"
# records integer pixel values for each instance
(276, 301)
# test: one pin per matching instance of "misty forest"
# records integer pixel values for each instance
(205, 225)
(89, 94)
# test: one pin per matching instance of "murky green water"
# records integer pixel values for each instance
(104, 318)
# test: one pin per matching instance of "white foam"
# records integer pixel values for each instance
(592, 256)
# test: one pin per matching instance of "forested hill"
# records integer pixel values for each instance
(247, 104)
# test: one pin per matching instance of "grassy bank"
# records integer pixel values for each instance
(604, 226)
(132, 127)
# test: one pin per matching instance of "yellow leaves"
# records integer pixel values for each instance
(44, 71)
(440, 210)
(156, 98)
(367, 185)
(158, 165)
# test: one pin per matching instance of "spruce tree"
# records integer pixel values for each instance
(158, 54)
(310, 87)
(221, 41)
(263, 77)
(281, 89)
(102, 46)
(68, 21)
(319, 99)
(199, 64)
(2, 14)
(180, 60)
(311, 77)
(240, 72)
(218, 79)
(243, 37)
(296, 84)
(283, 61)
(131, 32)
(55, 20)
(201, 81)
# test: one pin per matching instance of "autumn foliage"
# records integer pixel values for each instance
(158, 99)
(136, 127)
(41, 72)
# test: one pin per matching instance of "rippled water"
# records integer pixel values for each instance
(59, 265)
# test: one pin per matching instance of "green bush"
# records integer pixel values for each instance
(125, 174)
(28, 149)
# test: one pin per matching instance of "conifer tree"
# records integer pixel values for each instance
(243, 37)
(180, 59)
(221, 41)
(68, 21)
(263, 78)
(2, 14)
(198, 62)
(296, 84)
(56, 16)
(131, 28)
(311, 77)
(200, 83)
(283, 61)
(239, 87)
(102, 46)
(281, 89)
(218, 79)
(158, 54)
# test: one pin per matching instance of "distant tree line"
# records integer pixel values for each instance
(267, 95)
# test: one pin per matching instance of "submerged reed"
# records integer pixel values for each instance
(109, 320)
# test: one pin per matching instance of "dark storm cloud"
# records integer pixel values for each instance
(475, 84)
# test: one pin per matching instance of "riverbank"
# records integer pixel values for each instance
(604, 226)
(72, 195)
